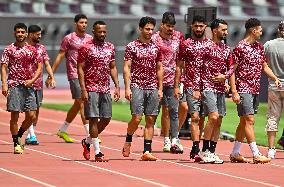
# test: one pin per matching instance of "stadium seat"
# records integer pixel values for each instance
(87, 8)
(15, 8)
(39, 8)
(260, 2)
(274, 11)
(4, 7)
(27, 8)
(124, 8)
(150, 9)
(161, 8)
(249, 10)
(211, 2)
(137, 9)
(175, 9)
(224, 10)
(51, 8)
(236, 10)
(183, 9)
(101, 8)
(75, 8)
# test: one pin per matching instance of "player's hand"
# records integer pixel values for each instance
(128, 94)
(236, 97)
(5, 90)
(196, 95)
(219, 77)
(278, 83)
(116, 94)
(28, 83)
(227, 87)
(177, 93)
(84, 96)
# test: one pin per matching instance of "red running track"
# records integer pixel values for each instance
(55, 163)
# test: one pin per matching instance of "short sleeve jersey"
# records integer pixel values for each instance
(20, 62)
(191, 52)
(169, 49)
(97, 58)
(70, 45)
(217, 60)
(250, 59)
(43, 57)
(144, 58)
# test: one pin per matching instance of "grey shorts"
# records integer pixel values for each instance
(194, 106)
(214, 102)
(144, 101)
(39, 97)
(99, 105)
(75, 88)
(168, 98)
(248, 105)
(21, 99)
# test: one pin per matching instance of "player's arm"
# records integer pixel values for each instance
(3, 79)
(114, 76)
(271, 75)
(160, 75)
(29, 83)
(179, 68)
(60, 56)
(126, 77)
(50, 81)
(81, 78)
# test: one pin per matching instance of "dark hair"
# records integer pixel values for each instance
(79, 16)
(34, 28)
(252, 22)
(198, 18)
(169, 18)
(215, 23)
(20, 26)
(99, 23)
(145, 20)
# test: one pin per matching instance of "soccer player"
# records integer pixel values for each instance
(191, 61)
(69, 49)
(34, 36)
(249, 59)
(143, 67)
(169, 41)
(96, 62)
(217, 68)
(274, 50)
(19, 58)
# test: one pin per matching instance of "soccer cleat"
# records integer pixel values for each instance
(179, 144)
(101, 158)
(281, 141)
(217, 159)
(206, 157)
(167, 146)
(261, 159)
(126, 149)
(195, 156)
(65, 137)
(18, 149)
(271, 153)
(239, 159)
(147, 156)
(176, 150)
(86, 149)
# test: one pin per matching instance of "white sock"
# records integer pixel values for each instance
(253, 148)
(96, 145)
(167, 139)
(64, 127)
(28, 134)
(89, 140)
(237, 148)
(174, 141)
(86, 127)
(31, 130)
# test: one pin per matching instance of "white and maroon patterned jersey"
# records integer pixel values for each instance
(43, 57)
(250, 59)
(144, 58)
(169, 49)
(217, 60)
(20, 62)
(97, 58)
(70, 44)
(191, 52)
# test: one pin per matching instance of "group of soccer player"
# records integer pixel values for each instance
(160, 70)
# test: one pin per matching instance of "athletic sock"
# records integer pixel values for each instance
(64, 127)
(212, 146)
(253, 148)
(147, 145)
(128, 138)
(236, 148)
(31, 131)
(96, 145)
(167, 139)
(15, 140)
(174, 141)
(21, 132)
(195, 147)
(205, 145)
(86, 127)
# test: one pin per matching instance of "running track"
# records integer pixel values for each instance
(55, 163)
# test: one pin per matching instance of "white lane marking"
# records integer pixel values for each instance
(100, 168)
(26, 177)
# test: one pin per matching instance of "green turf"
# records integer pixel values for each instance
(121, 112)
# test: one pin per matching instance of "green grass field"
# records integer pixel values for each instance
(121, 112)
